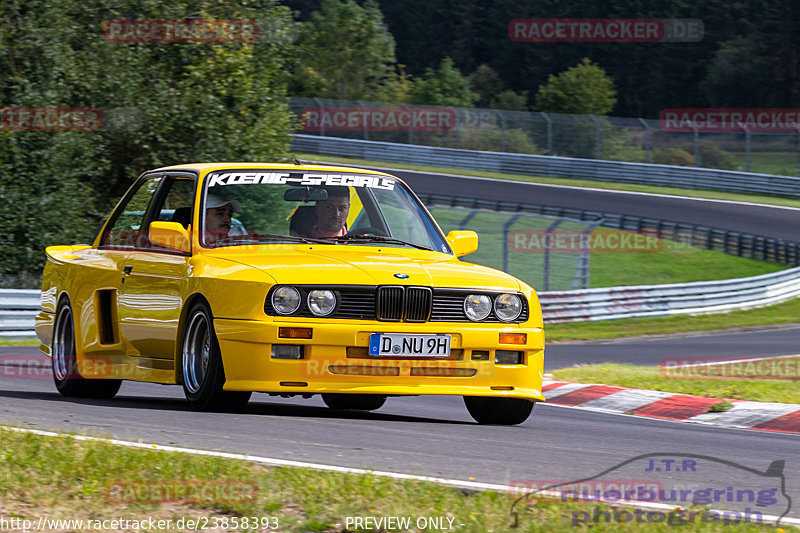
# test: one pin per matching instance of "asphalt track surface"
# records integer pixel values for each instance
(435, 435)
(421, 435)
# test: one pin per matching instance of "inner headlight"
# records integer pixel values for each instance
(507, 307)
(477, 306)
(321, 302)
(286, 300)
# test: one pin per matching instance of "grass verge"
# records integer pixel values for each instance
(62, 478)
(712, 381)
(782, 313)
(19, 341)
(675, 191)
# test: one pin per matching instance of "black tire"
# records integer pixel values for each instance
(498, 411)
(357, 402)
(66, 375)
(201, 365)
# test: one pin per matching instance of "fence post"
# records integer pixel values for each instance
(506, 227)
(366, 121)
(697, 161)
(321, 113)
(648, 140)
(457, 126)
(550, 136)
(546, 266)
(410, 124)
(746, 146)
(596, 137)
(502, 129)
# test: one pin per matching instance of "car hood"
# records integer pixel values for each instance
(368, 265)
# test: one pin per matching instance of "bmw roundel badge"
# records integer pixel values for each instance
(401, 276)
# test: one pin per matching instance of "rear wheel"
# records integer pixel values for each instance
(498, 411)
(66, 376)
(358, 402)
(201, 365)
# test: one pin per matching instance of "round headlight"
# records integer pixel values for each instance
(507, 307)
(477, 306)
(286, 300)
(321, 303)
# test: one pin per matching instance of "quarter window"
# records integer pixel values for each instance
(126, 231)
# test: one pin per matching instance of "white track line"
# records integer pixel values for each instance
(595, 189)
(474, 485)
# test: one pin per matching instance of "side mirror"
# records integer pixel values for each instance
(170, 235)
(462, 242)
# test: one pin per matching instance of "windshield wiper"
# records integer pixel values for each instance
(379, 238)
(258, 237)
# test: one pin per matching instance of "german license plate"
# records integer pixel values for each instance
(405, 345)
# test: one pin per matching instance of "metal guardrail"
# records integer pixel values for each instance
(543, 165)
(662, 300)
(18, 308)
(697, 235)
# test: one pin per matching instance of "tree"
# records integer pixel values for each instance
(584, 89)
(443, 86)
(486, 83)
(396, 87)
(511, 101)
(736, 75)
(345, 52)
(161, 104)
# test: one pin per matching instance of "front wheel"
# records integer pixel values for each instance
(66, 376)
(201, 365)
(357, 402)
(498, 411)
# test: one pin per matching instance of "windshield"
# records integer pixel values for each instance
(254, 206)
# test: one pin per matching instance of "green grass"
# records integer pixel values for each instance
(675, 263)
(22, 341)
(692, 193)
(654, 378)
(783, 313)
(62, 478)
(779, 163)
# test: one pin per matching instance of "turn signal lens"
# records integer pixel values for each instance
(295, 333)
(514, 338)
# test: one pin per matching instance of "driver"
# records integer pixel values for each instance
(332, 214)
(219, 212)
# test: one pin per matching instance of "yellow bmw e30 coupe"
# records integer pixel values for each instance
(233, 278)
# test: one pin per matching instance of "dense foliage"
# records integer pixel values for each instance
(162, 104)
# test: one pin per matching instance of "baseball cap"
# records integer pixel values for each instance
(212, 201)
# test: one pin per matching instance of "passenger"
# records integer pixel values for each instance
(331, 214)
(219, 212)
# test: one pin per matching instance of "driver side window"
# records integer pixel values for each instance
(126, 231)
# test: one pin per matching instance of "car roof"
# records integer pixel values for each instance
(204, 168)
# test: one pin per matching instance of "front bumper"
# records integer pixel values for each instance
(336, 360)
